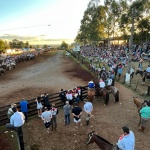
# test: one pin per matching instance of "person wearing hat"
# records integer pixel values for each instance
(126, 140)
(91, 85)
(145, 115)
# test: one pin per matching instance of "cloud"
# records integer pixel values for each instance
(34, 39)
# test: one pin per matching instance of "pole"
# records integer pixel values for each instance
(131, 43)
(20, 138)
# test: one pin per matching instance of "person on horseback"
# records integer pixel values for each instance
(148, 69)
(91, 85)
(109, 81)
(112, 76)
(102, 84)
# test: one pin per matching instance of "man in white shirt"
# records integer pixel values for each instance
(88, 108)
(16, 120)
(46, 117)
(109, 81)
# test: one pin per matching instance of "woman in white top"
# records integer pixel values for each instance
(39, 106)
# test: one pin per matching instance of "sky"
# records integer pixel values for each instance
(41, 21)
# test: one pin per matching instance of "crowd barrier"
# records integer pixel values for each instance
(53, 98)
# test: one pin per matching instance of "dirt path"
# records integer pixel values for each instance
(50, 74)
(30, 79)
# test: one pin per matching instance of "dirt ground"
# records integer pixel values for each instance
(50, 74)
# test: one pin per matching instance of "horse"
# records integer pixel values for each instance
(101, 142)
(114, 91)
(144, 74)
(104, 93)
(90, 95)
(2, 71)
(139, 106)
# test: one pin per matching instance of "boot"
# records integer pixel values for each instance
(142, 128)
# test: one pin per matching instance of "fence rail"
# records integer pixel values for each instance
(33, 109)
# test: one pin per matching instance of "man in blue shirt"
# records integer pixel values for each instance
(148, 69)
(24, 108)
(16, 120)
(88, 108)
(127, 140)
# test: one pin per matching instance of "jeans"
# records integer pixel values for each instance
(140, 66)
(12, 127)
(26, 116)
(67, 119)
(54, 123)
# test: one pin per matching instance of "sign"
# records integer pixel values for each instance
(127, 79)
(76, 47)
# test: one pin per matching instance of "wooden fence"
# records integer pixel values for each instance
(53, 98)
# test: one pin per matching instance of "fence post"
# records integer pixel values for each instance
(20, 138)
(148, 90)
(81, 94)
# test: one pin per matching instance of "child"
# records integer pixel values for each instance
(39, 106)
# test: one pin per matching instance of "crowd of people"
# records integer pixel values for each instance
(114, 60)
(9, 62)
(111, 62)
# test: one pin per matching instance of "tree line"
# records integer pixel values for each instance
(20, 45)
(113, 21)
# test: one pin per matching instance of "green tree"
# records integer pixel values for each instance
(64, 45)
(45, 46)
(2, 46)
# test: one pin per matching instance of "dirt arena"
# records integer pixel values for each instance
(50, 74)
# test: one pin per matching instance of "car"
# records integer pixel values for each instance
(67, 54)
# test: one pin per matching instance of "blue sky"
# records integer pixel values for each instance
(63, 16)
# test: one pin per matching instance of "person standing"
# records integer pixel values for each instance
(77, 112)
(54, 112)
(10, 111)
(145, 116)
(46, 101)
(127, 140)
(88, 108)
(39, 106)
(67, 110)
(140, 63)
(46, 117)
(24, 108)
(16, 120)
(62, 96)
